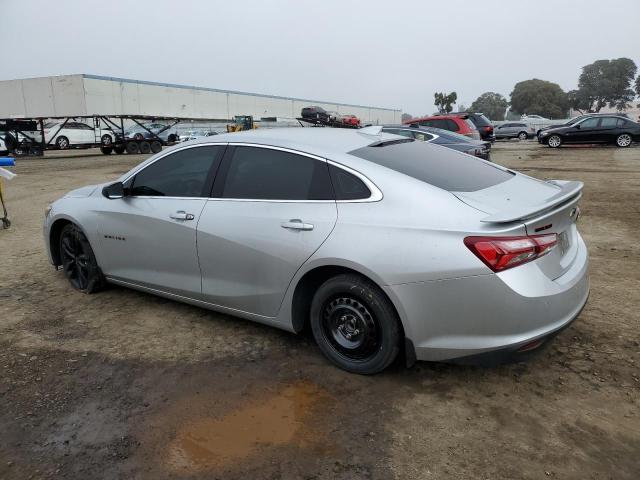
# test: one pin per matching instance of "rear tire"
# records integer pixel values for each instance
(62, 143)
(523, 136)
(106, 140)
(156, 146)
(145, 147)
(623, 140)
(133, 147)
(106, 150)
(78, 260)
(119, 149)
(355, 325)
(554, 141)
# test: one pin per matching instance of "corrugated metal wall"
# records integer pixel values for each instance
(88, 95)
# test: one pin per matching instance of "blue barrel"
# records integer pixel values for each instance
(7, 162)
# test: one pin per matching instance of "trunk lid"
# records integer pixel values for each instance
(543, 207)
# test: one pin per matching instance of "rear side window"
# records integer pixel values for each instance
(348, 186)
(185, 173)
(422, 136)
(470, 124)
(608, 122)
(267, 174)
(442, 168)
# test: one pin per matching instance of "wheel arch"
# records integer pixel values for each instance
(311, 280)
(54, 236)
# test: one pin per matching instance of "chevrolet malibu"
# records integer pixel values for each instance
(380, 245)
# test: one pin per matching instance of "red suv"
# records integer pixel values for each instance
(350, 120)
(461, 124)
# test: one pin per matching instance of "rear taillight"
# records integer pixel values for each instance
(488, 128)
(501, 253)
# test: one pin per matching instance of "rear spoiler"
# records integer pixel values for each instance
(568, 191)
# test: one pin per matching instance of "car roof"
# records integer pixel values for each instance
(314, 140)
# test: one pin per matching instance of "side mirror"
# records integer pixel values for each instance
(113, 191)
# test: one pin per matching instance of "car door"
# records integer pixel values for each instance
(85, 134)
(608, 129)
(271, 209)
(583, 132)
(149, 237)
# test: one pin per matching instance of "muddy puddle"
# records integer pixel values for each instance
(268, 421)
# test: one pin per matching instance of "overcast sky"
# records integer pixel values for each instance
(380, 53)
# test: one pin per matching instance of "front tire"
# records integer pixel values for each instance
(106, 140)
(554, 141)
(355, 325)
(623, 140)
(523, 136)
(78, 260)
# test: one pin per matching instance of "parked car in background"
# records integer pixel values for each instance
(461, 124)
(518, 130)
(193, 134)
(3, 147)
(613, 129)
(72, 134)
(482, 123)
(350, 120)
(164, 132)
(315, 113)
(376, 246)
(437, 136)
(575, 120)
(334, 117)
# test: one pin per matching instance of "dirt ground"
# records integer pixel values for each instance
(124, 385)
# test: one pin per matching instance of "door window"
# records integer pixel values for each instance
(589, 123)
(608, 122)
(267, 174)
(185, 173)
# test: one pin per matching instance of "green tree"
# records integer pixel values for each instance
(638, 85)
(405, 117)
(539, 97)
(493, 105)
(445, 102)
(604, 82)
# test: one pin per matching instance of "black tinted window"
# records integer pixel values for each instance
(266, 174)
(608, 122)
(180, 174)
(480, 120)
(348, 186)
(442, 168)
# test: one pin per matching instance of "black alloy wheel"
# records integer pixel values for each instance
(78, 261)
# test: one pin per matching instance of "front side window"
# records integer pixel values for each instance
(589, 123)
(184, 173)
(267, 174)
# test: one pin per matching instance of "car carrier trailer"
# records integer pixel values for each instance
(26, 136)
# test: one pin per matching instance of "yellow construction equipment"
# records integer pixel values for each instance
(240, 123)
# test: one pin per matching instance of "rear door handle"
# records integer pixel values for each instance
(296, 224)
(182, 215)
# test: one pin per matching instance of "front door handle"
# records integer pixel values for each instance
(296, 224)
(182, 215)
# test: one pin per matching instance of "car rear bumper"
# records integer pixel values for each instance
(462, 318)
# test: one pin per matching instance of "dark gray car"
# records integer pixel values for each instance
(455, 141)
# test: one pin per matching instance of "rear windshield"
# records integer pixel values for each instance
(480, 120)
(440, 167)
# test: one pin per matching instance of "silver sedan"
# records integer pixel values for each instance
(380, 245)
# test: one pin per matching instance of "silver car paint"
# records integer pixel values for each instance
(449, 302)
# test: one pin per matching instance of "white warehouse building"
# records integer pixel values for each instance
(82, 94)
